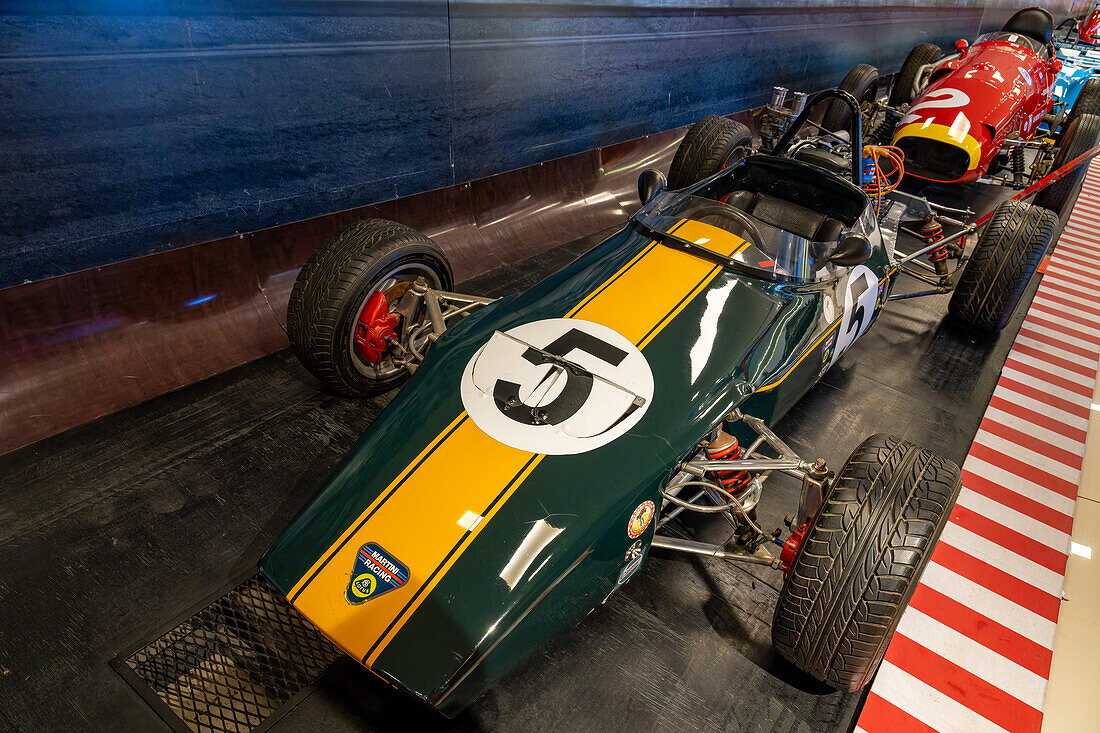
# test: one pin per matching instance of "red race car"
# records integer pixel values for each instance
(989, 111)
(1087, 28)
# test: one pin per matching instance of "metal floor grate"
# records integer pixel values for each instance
(233, 664)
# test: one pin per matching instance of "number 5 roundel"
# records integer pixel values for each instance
(557, 386)
(860, 298)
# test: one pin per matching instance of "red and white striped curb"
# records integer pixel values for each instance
(973, 649)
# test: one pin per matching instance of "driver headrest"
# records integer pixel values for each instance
(1034, 23)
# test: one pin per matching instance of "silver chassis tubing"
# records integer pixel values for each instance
(968, 229)
(915, 207)
(441, 306)
(942, 284)
(814, 476)
(759, 557)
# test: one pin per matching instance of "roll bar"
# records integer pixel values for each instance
(856, 131)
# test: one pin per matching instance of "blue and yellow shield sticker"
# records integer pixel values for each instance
(376, 572)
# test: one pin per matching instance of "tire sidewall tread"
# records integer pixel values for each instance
(921, 55)
(1006, 257)
(859, 81)
(335, 281)
(1082, 132)
(860, 562)
(705, 148)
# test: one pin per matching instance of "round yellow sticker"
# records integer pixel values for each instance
(640, 519)
(364, 585)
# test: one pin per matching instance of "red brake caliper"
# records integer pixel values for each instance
(790, 547)
(375, 328)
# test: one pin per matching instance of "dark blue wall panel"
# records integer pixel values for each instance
(131, 127)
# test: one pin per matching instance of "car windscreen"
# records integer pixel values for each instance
(1019, 40)
(713, 228)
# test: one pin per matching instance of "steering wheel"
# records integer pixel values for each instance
(738, 216)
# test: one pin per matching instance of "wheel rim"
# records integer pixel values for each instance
(391, 282)
(734, 157)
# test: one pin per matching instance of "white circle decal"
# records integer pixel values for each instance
(558, 386)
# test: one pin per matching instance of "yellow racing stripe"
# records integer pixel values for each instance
(450, 560)
(434, 510)
(375, 504)
(644, 299)
(791, 368)
(633, 260)
(431, 513)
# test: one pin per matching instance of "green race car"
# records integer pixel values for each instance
(546, 441)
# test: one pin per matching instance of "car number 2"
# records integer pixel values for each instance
(943, 98)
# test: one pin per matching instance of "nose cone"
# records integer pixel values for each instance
(946, 150)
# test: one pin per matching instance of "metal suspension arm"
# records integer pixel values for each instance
(759, 557)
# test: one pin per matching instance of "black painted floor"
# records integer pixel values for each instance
(114, 529)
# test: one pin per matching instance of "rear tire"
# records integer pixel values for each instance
(921, 55)
(1081, 134)
(861, 560)
(862, 83)
(336, 282)
(1001, 266)
(706, 149)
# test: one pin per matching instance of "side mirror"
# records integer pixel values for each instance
(650, 183)
(854, 249)
(1056, 65)
(961, 45)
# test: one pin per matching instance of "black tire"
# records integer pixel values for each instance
(705, 150)
(862, 83)
(1087, 102)
(862, 558)
(921, 55)
(1080, 135)
(1002, 264)
(334, 284)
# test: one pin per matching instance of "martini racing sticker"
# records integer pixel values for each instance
(640, 519)
(559, 386)
(375, 572)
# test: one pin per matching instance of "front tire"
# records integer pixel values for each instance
(1087, 102)
(1002, 264)
(334, 285)
(862, 83)
(706, 149)
(861, 560)
(921, 55)
(1081, 134)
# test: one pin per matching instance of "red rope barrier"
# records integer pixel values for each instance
(1048, 179)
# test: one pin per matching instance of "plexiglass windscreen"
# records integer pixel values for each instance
(755, 245)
